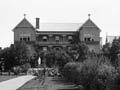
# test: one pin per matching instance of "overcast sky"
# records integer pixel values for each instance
(105, 14)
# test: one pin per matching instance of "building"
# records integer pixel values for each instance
(58, 35)
(109, 39)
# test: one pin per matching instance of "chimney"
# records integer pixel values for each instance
(37, 23)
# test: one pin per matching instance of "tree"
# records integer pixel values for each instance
(57, 58)
(79, 50)
(115, 51)
(106, 50)
(20, 50)
(9, 58)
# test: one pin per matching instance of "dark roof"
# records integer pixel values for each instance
(89, 23)
(24, 24)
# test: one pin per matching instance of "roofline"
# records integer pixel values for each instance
(56, 31)
(89, 26)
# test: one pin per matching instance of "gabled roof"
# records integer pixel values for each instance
(89, 23)
(24, 24)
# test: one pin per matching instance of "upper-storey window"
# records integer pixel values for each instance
(70, 38)
(20, 39)
(44, 38)
(25, 39)
(28, 39)
(44, 48)
(88, 39)
(57, 38)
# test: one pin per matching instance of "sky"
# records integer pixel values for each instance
(104, 13)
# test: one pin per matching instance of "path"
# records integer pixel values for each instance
(15, 83)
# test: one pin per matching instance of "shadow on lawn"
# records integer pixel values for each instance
(66, 85)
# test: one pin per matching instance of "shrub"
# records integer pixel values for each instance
(17, 70)
(25, 67)
(70, 71)
(105, 78)
(92, 74)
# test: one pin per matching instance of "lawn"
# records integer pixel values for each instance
(4, 78)
(49, 84)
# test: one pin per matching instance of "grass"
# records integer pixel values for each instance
(4, 78)
(50, 84)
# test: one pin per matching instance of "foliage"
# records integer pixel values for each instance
(25, 67)
(18, 54)
(106, 50)
(75, 39)
(92, 74)
(9, 58)
(78, 52)
(21, 69)
(57, 58)
(112, 51)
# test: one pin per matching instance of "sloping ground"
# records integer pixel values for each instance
(49, 84)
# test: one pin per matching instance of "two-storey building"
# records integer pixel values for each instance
(58, 35)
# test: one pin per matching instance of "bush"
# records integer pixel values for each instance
(105, 78)
(25, 67)
(17, 70)
(21, 69)
(95, 74)
(71, 71)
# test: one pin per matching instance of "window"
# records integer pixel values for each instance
(20, 39)
(92, 40)
(57, 38)
(28, 39)
(24, 39)
(57, 49)
(69, 38)
(44, 38)
(44, 48)
(87, 39)
(69, 47)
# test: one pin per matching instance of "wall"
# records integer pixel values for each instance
(24, 32)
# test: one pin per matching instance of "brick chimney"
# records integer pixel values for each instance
(37, 23)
